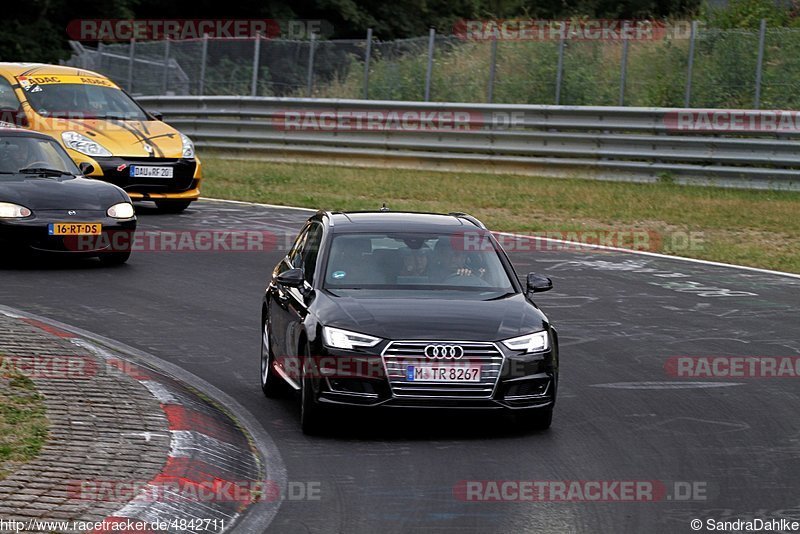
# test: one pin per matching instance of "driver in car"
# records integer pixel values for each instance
(415, 262)
(14, 156)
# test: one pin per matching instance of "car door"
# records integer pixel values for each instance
(279, 305)
(298, 301)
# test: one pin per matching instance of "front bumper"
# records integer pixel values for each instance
(32, 234)
(522, 383)
(184, 184)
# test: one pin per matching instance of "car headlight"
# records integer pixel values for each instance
(343, 339)
(536, 342)
(188, 147)
(84, 145)
(13, 211)
(123, 210)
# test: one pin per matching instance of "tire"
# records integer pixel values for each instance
(272, 385)
(539, 419)
(312, 417)
(172, 206)
(110, 259)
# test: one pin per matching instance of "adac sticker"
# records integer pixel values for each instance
(30, 83)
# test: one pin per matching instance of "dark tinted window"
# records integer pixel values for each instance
(8, 100)
(311, 251)
(84, 100)
(20, 152)
(410, 261)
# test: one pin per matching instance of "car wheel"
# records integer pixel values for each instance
(272, 385)
(172, 206)
(110, 259)
(539, 419)
(311, 413)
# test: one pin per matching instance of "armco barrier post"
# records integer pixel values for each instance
(165, 81)
(492, 70)
(131, 59)
(762, 33)
(623, 71)
(367, 54)
(687, 98)
(256, 62)
(560, 69)
(203, 58)
(429, 71)
(310, 76)
(99, 57)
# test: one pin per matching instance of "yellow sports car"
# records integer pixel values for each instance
(108, 135)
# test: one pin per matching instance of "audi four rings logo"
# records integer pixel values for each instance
(441, 352)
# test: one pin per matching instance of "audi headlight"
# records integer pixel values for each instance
(188, 147)
(123, 210)
(536, 342)
(84, 145)
(13, 211)
(343, 339)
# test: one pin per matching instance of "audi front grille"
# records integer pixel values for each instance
(399, 354)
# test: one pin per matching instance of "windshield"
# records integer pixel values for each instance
(83, 101)
(413, 262)
(18, 153)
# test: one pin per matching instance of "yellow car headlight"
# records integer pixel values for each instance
(84, 145)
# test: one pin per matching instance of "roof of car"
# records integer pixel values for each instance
(43, 69)
(366, 221)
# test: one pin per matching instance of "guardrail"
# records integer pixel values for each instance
(752, 149)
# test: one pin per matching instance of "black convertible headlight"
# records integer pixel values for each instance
(13, 211)
(123, 210)
(535, 342)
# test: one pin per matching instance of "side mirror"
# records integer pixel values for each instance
(291, 278)
(538, 283)
(86, 168)
(157, 115)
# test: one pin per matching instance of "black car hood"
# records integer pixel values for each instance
(67, 192)
(435, 319)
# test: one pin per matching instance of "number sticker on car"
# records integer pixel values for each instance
(145, 171)
(75, 228)
(443, 373)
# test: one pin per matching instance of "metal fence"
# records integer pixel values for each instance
(705, 68)
(614, 143)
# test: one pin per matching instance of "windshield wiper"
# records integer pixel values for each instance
(45, 171)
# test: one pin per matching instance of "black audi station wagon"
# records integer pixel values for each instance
(411, 310)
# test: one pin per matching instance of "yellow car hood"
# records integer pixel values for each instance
(125, 138)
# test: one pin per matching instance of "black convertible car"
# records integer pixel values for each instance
(46, 205)
(406, 310)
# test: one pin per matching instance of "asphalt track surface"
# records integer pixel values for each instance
(620, 416)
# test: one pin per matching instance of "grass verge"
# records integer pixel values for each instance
(754, 228)
(23, 423)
